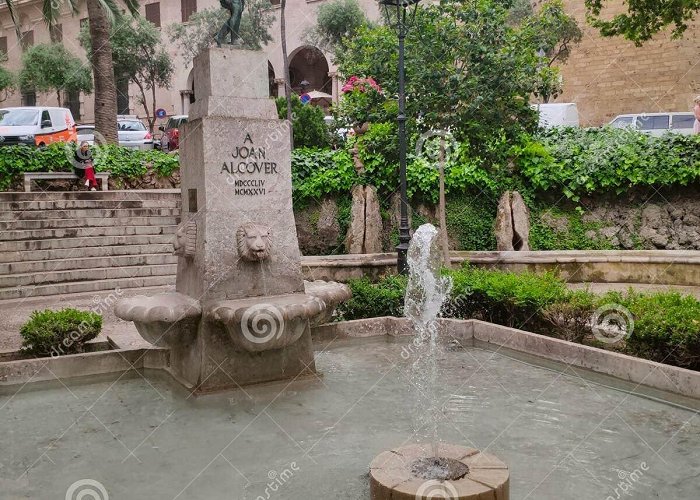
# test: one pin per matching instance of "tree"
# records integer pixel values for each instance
(51, 68)
(138, 57)
(7, 80)
(198, 33)
(553, 31)
(644, 18)
(285, 63)
(336, 21)
(309, 126)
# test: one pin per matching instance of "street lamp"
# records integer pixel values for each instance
(400, 14)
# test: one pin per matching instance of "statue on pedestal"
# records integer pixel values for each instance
(233, 23)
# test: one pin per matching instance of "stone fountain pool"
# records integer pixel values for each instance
(563, 435)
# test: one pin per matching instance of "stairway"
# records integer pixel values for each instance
(80, 242)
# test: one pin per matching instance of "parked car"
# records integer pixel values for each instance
(171, 132)
(36, 126)
(563, 114)
(132, 133)
(657, 123)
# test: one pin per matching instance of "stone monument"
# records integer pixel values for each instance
(242, 312)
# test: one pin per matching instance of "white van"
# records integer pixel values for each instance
(36, 126)
(558, 114)
(657, 124)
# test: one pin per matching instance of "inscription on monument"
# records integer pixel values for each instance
(248, 162)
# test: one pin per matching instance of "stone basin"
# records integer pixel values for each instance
(163, 319)
(272, 322)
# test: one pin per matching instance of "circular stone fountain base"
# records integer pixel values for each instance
(411, 473)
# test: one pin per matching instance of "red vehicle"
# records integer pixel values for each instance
(171, 132)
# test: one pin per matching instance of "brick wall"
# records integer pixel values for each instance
(610, 76)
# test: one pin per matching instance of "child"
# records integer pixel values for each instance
(83, 166)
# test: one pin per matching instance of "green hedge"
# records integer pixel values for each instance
(55, 333)
(123, 163)
(666, 325)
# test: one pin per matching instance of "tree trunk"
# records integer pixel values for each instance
(285, 59)
(58, 96)
(103, 73)
(152, 118)
(444, 242)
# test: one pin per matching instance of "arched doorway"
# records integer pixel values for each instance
(308, 65)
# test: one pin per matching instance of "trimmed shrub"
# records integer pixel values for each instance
(53, 333)
(372, 300)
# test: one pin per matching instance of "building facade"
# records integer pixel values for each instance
(307, 63)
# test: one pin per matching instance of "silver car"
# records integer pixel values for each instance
(132, 134)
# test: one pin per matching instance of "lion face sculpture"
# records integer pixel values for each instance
(254, 241)
(186, 239)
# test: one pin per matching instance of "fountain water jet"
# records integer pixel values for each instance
(433, 469)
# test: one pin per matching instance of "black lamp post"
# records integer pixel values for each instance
(400, 14)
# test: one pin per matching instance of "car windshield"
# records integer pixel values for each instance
(131, 126)
(19, 117)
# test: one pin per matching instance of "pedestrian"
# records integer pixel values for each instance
(84, 167)
(696, 128)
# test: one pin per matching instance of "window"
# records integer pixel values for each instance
(153, 13)
(56, 33)
(275, 2)
(623, 121)
(123, 97)
(73, 103)
(3, 45)
(188, 7)
(682, 121)
(131, 126)
(27, 39)
(46, 119)
(657, 122)
(29, 98)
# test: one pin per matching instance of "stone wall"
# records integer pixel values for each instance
(610, 76)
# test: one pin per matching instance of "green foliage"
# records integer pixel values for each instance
(470, 219)
(53, 333)
(8, 81)
(310, 129)
(336, 21)
(317, 173)
(584, 161)
(570, 235)
(123, 163)
(198, 32)
(643, 19)
(371, 300)
(553, 31)
(49, 67)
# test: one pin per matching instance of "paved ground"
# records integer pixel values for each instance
(13, 313)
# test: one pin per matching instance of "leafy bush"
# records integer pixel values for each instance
(310, 129)
(53, 333)
(320, 172)
(123, 163)
(372, 300)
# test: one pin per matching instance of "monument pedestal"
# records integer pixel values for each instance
(239, 277)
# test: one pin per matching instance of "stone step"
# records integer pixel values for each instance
(102, 273)
(92, 222)
(84, 251)
(79, 262)
(13, 247)
(51, 214)
(163, 202)
(85, 286)
(84, 232)
(136, 194)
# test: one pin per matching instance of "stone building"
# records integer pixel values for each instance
(307, 63)
(611, 76)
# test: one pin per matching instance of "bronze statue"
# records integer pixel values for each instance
(233, 23)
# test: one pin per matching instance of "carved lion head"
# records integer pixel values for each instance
(186, 239)
(254, 241)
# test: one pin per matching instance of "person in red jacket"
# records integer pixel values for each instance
(84, 167)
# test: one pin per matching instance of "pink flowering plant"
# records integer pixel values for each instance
(362, 101)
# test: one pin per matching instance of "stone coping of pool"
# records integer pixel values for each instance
(659, 267)
(628, 373)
